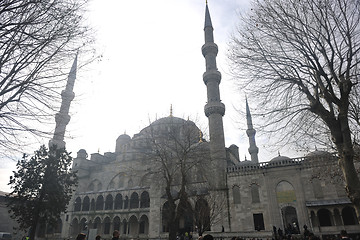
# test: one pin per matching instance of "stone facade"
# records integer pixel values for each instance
(123, 190)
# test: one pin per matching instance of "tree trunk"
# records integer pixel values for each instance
(351, 180)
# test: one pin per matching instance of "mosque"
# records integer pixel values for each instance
(124, 190)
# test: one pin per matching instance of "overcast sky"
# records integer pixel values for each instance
(151, 59)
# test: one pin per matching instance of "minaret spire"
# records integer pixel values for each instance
(214, 108)
(62, 118)
(253, 149)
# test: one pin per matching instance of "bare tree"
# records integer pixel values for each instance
(208, 210)
(38, 38)
(178, 153)
(300, 61)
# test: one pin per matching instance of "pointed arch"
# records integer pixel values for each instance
(109, 202)
(99, 203)
(144, 200)
(77, 205)
(92, 205)
(107, 225)
(125, 227)
(86, 204)
(325, 217)
(118, 201)
(117, 222)
(144, 225)
(349, 216)
(285, 192)
(133, 226)
(126, 202)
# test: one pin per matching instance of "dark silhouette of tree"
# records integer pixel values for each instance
(300, 61)
(38, 40)
(41, 188)
(176, 148)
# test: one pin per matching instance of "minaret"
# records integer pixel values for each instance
(62, 118)
(214, 108)
(253, 149)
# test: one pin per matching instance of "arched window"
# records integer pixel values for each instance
(107, 225)
(144, 225)
(86, 204)
(236, 194)
(165, 217)
(125, 227)
(324, 216)
(92, 205)
(109, 202)
(117, 223)
(255, 196)
(202, 215)
(74, 227)
(134, 200)
(349, 216)
(100, 203)
(77, 206)
(83, 224)
(144, 200)
(126, 202)
(97, 223)
(118, 201)
(133, 226)
(285, 192)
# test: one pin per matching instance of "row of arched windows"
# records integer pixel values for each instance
(324, 217)
(133, 226)
(109, 203)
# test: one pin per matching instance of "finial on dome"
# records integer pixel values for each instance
(279, 153)
(171, 110)
(206, 2)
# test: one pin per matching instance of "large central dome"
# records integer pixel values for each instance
(172, 127)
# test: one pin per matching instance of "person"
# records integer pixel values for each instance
(116, 235)
(98, 237)
(344, 235)
(81, 236)
(208, 237)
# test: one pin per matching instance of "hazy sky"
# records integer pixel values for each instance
(151, 59)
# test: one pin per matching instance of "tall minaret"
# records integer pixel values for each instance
(214, 108)
(253, 149)
(62, 118)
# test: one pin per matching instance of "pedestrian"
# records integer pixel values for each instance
(208, 237)
(81, 236)
(98, 237)
(344, 235)
(116, 235)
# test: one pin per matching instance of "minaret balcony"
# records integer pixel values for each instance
(214, 108)
(212, 75)
(209, 47)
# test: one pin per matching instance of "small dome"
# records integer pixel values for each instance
(124, 137)
(280, 158)
(82, 154)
